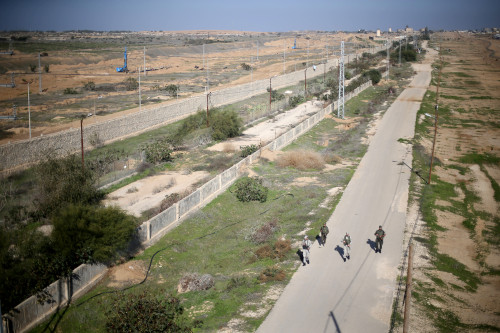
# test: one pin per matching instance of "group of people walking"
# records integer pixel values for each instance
(346, 241)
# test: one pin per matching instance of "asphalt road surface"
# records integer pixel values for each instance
(331, 295)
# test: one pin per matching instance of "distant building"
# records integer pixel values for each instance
(390, 29)
(378, 32)
(408, 30)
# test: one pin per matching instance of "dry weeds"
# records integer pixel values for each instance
(302, 160)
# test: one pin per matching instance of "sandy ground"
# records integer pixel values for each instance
(147, 193)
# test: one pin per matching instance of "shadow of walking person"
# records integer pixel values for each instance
(372, 244)
(341, 252)
(301, 255)
(320, 242)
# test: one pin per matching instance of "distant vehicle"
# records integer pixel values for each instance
(124, 68)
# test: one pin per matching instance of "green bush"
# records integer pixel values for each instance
(250, 189)
(70, 91)
(89, 86)
(246, 67)
(296, 100)
(63, 181)
(172, 89)
(131, 84)
(374, 75)
(275, 96)
(158, 151)
(96, 232)
(248, 150)
(146, 313)
(225, 124)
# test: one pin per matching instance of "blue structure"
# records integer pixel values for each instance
(124, 68)
(294, 44)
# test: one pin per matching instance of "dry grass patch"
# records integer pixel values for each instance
(302, 160)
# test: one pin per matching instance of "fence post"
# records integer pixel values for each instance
(406, 321)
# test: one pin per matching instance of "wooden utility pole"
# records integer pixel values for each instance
(436, 117)
(406, 322)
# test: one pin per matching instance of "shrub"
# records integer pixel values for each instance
(265, 251)
(264, 233)
(46, 68)
(146, 313)
(302, 160)
(99, 232)
(89, 86)
(250, 189)
(225, 124)
(195, 282)
(70, 91)
(246, 67)
(273, 273)
(32, 68)
(296, 100)
(131, 84)
(158, 151)
(281, 248)
(275, 95)
(374, 75)
(236, 282)
(248, 150)
(172, 89)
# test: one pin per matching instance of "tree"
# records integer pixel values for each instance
(172, 89)
(131, 84)
(374, 75)
(61, 182)
(225, 124)
(91, 233)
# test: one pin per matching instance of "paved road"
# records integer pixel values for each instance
(331, 295)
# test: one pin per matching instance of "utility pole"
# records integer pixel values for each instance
(40, 75)
(208, 123)
(406, 322)
(305, 83)
(140, 100)
(388, 59)
(81, 134)
(270, 90)
(257, 50)
(340, 107)
(145, 61)
(399, 52)
(284, 70)
(436, 117)
(29, 110)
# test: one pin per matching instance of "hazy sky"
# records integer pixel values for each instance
(247, 15)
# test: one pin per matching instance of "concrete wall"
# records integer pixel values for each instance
(32, 313)
(23, 153)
